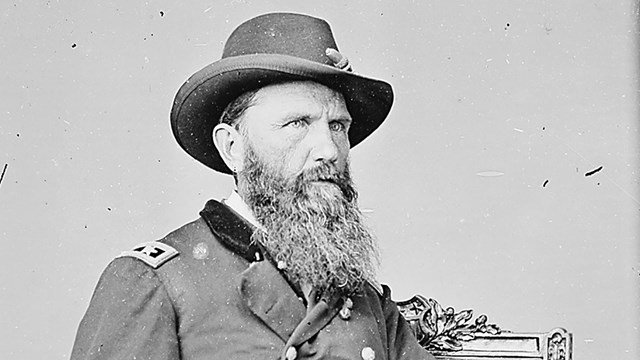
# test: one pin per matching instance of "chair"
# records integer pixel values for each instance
(453, 336)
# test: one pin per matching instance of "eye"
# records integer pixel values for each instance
(297, 123)
(337, 126)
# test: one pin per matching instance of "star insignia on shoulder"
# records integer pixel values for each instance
(153, 253)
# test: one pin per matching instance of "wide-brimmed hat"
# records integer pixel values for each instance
(269, 49)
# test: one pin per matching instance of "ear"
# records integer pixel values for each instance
(228, 141)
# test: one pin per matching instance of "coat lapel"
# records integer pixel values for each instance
(270, 297)
(316, 319)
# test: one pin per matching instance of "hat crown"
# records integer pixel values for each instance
(290, 34)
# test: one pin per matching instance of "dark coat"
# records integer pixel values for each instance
(213, 300)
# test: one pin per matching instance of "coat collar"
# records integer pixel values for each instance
(262, 287)
(232, 230)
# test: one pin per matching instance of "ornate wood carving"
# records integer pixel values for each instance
(439, 329)
(559, 345)
(451, 335)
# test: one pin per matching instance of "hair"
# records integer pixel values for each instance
(233, 112)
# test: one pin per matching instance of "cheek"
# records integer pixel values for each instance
(294, 159)
(270, 149)
(287, 159)
(343, 145)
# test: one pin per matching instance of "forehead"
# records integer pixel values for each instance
(300, 95)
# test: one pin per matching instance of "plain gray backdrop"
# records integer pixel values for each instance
(480, 185)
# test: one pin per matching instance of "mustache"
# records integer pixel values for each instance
(327, 172)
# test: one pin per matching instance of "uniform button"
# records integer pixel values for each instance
(368, 354)
(291, 353)
(200, 251)
(345, 312)
(348, 303)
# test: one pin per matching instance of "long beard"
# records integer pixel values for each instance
(312, 225)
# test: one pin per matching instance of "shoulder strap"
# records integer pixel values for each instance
(153, 253)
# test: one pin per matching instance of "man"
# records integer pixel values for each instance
(285, 267)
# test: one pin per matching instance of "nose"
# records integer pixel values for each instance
(324, 147)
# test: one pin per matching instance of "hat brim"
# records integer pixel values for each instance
(201, 100)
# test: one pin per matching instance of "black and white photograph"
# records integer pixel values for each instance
(243, 179)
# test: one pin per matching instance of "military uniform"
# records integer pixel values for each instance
(206, 292)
